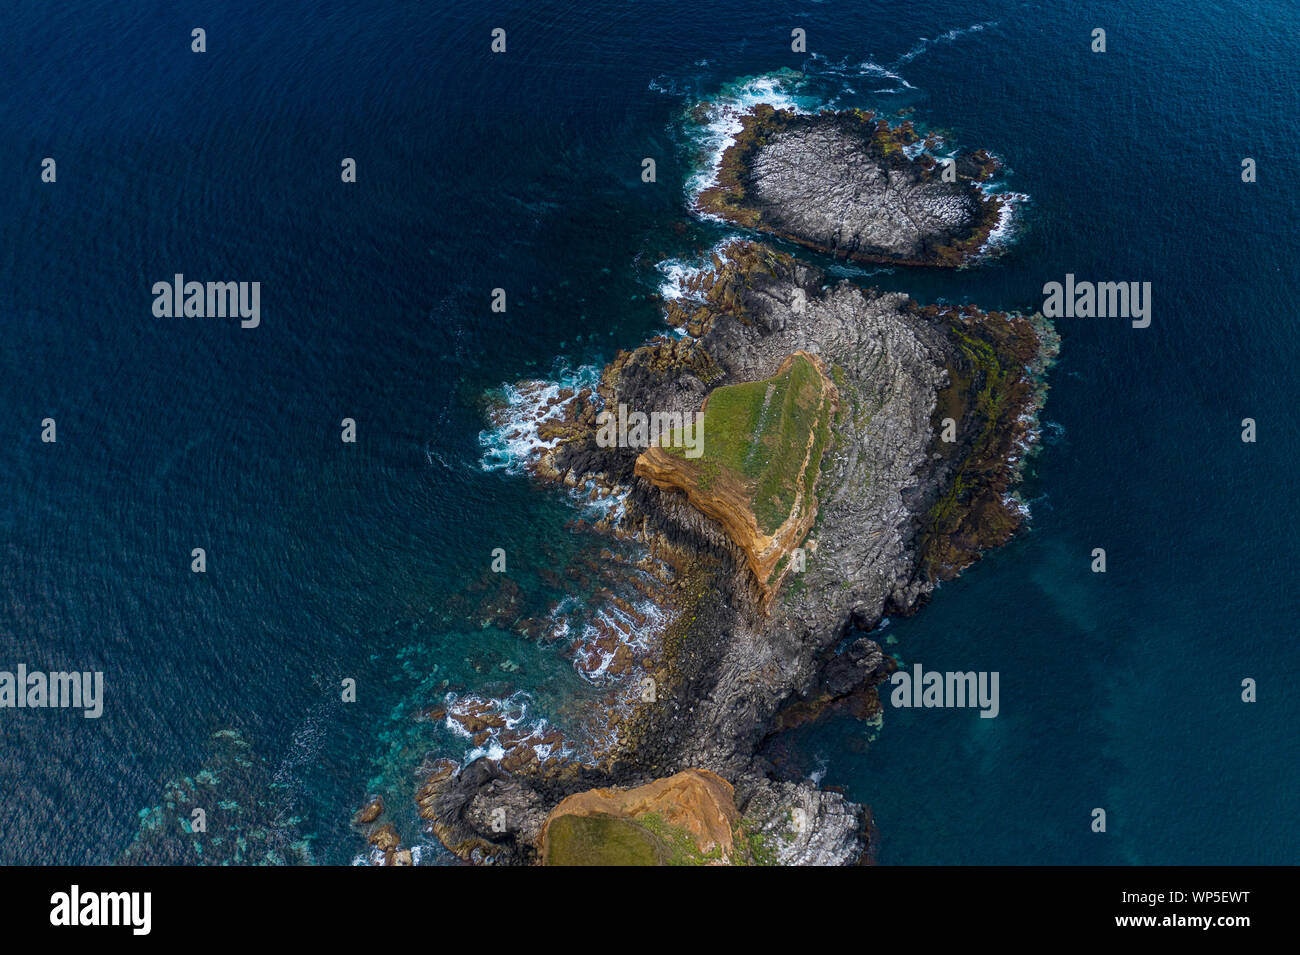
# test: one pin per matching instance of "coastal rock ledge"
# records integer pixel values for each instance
(858, 448)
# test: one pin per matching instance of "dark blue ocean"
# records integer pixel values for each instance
(329, 561)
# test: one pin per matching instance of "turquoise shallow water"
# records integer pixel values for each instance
(329, 561)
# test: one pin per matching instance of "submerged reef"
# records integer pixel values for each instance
(231, 812)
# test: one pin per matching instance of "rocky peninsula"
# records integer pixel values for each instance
(858, 449)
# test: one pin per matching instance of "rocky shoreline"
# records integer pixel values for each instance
(932, 411)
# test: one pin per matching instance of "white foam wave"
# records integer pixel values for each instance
(601, 502)
(635, 630)
(516, 437)
(679, 274)
(1004, 231)
(722, 118)
(951, 36)
(676, 274)
(508, 714)
(865, 69)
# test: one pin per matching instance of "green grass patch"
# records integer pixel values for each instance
(756, 434)
(605, 840)
(602, 840)
(679, 845)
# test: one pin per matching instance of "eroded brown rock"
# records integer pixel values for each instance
(695, 801)
(730, 502)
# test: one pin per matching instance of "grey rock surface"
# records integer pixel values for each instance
(820, 183)
(889, 364)
(803, 825)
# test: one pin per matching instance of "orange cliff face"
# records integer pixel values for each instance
(728, 497)
(697, 803)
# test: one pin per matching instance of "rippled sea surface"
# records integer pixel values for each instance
(330, 561)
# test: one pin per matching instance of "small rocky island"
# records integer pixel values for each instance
(858, 448)
(850, 184)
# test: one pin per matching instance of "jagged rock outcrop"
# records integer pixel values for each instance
(484, 814)
(799, 824)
